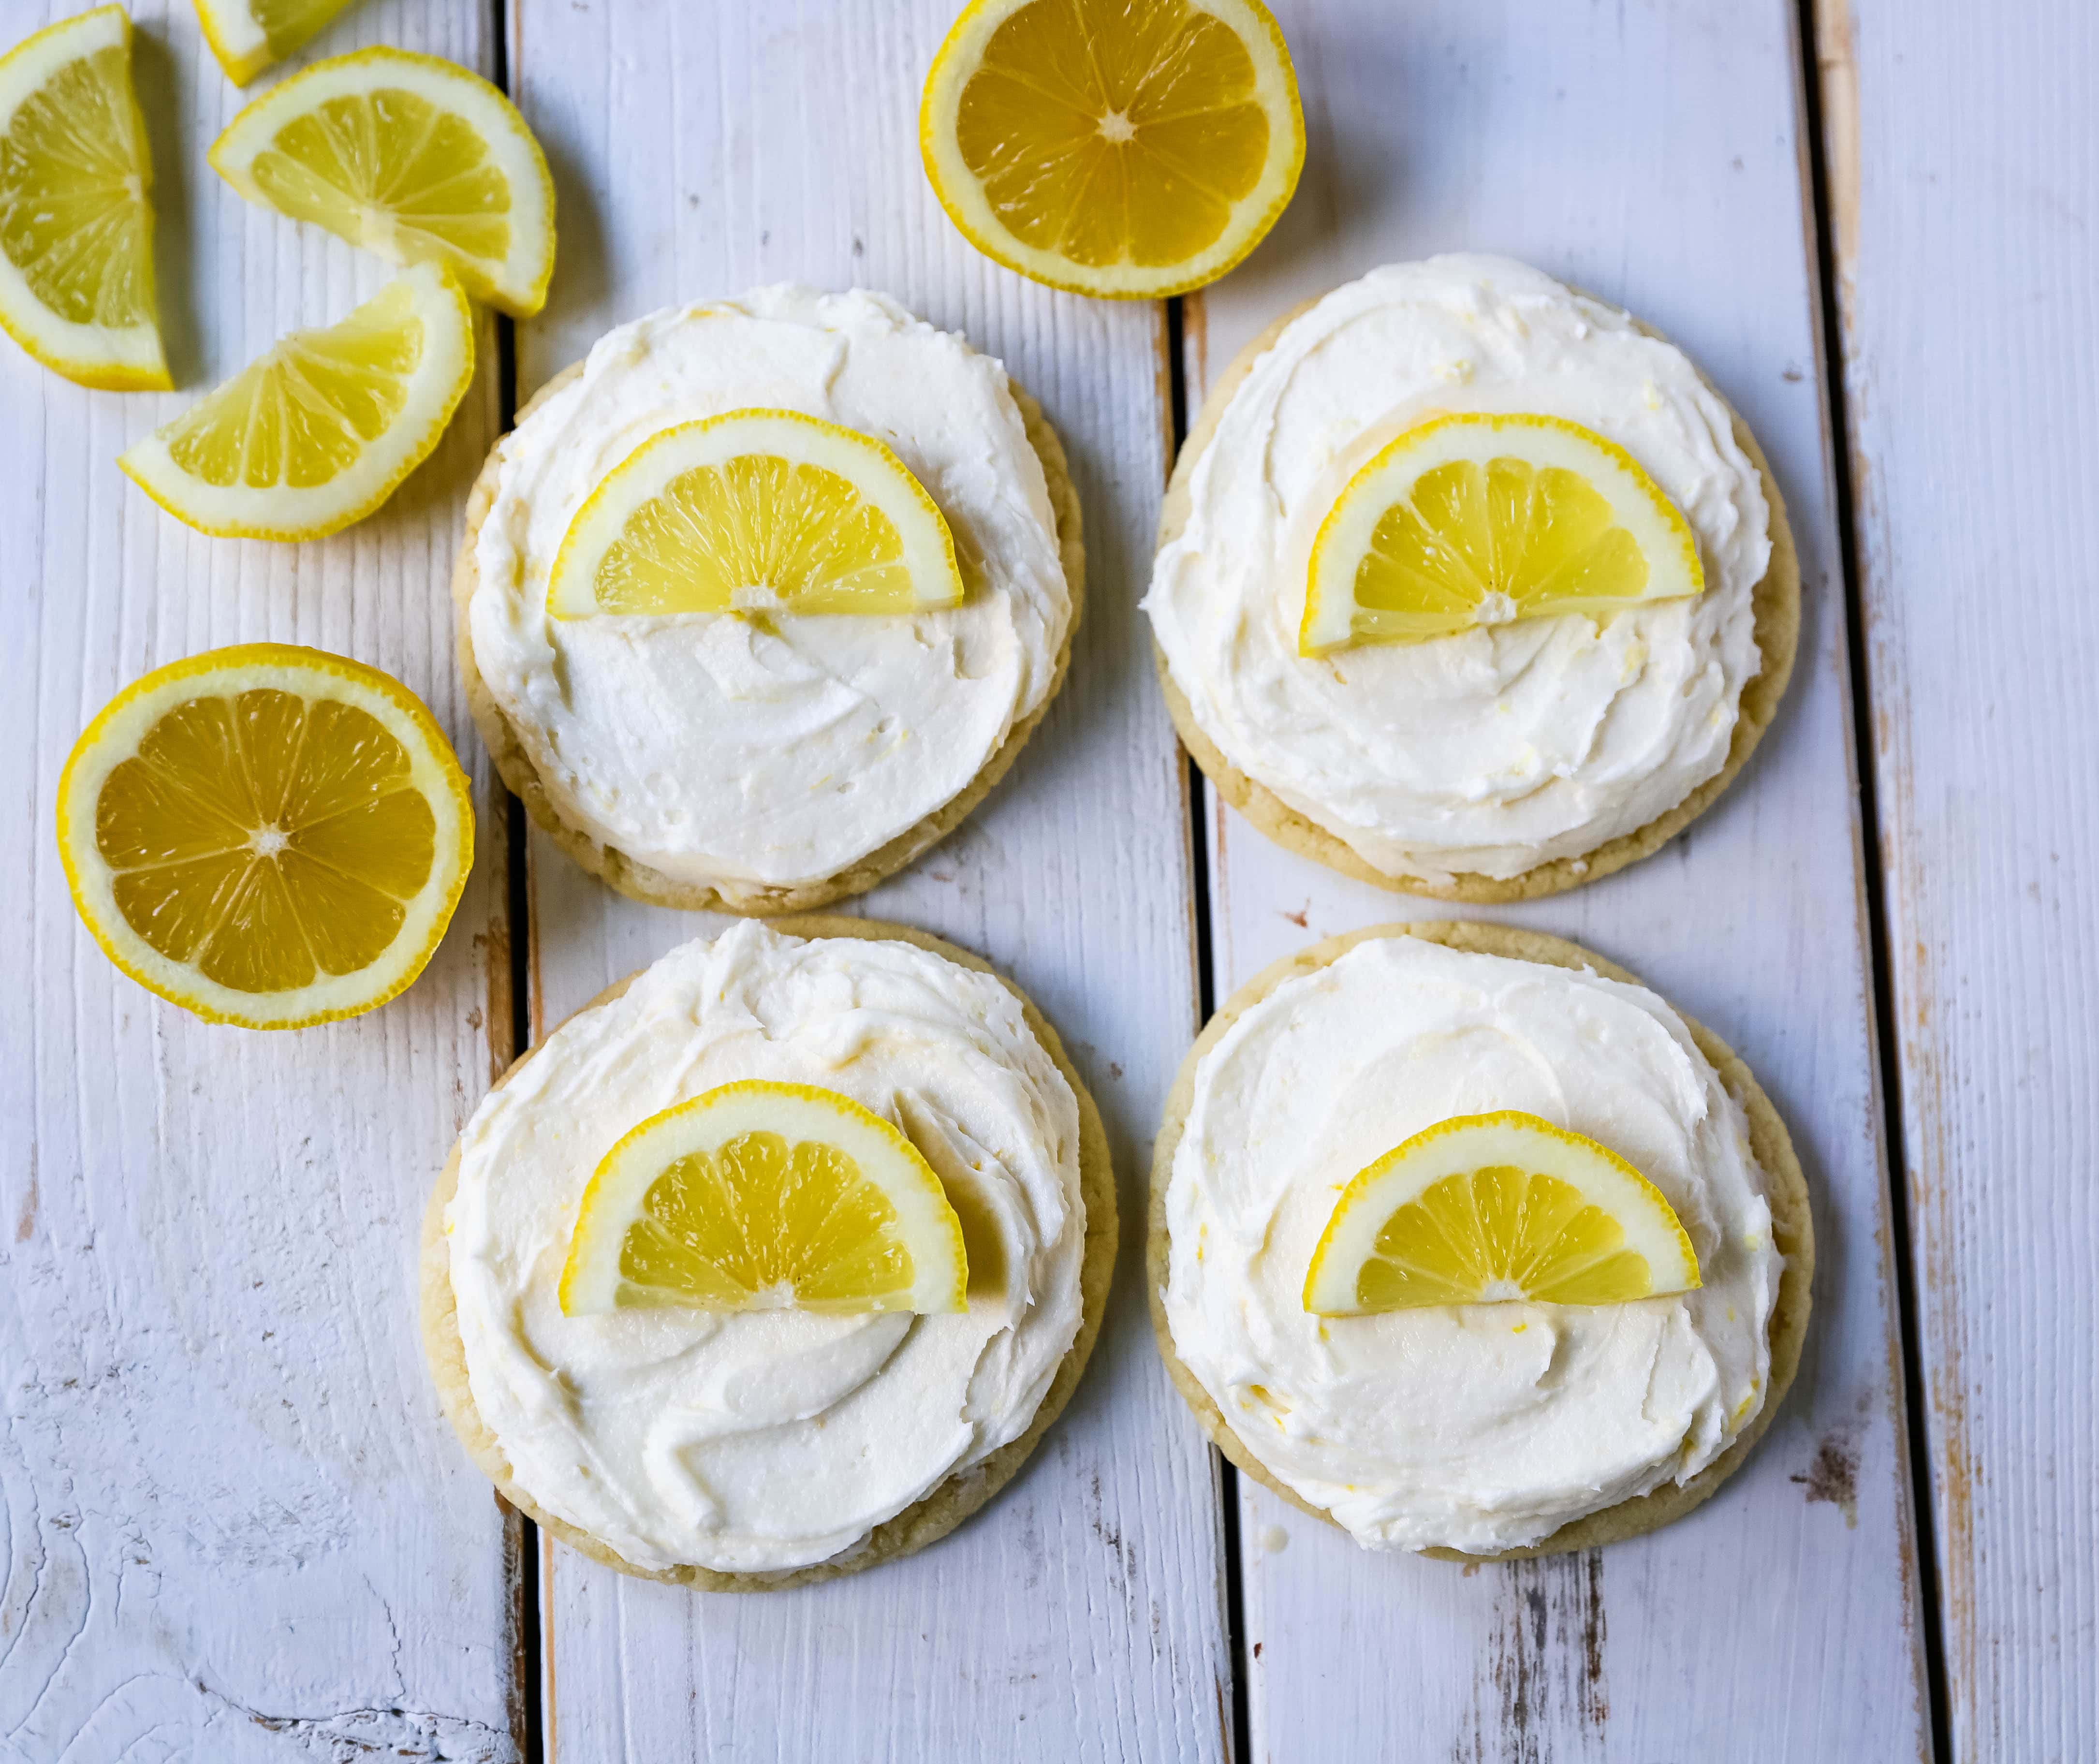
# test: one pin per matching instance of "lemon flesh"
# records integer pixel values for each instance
(248, 36)
(757, 511)
(76, 219)
(1470, 521)
(1487, 1208)
(1131, 148)
(320, 430)
(764, 1196)
(267, 835)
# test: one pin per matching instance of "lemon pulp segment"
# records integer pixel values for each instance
(248, 36)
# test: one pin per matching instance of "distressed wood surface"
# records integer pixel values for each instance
(233, 1526)
(1650, 153)
(700, 151)
(1966, 264)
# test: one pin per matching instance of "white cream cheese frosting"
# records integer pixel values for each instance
(767, 1441)
(1477, 1427)
(1511, 744)
(717, 748)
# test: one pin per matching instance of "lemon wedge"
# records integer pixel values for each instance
(762, 1196)
(1476, 519)
(1130, 148)
(76, 221)
(413, 158)
(756, 511)
(1487, 1207)
(248, 36)
(319, 431)
(265, 835)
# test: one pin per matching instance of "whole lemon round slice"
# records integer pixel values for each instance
(320, 430)
(413, 158)
(1489, 1208)
(761, 1196)
(265, 835)
(248, 36)
(75, 223)
(1130, 148)
(1475, 520)
(756, 511)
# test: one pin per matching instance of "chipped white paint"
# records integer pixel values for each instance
(232, 1525)
(1648, 153)
(700, 151)
(1968, 264)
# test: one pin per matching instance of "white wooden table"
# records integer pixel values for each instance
(234, 1527)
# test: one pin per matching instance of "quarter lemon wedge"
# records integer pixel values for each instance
(1131, 148)
(762, 1196)
(320, 430)
(410, 157)
(756, 511)
(265, 835)
(1474, 519)
(76, 219)
(248, 36)
(1487, 1207)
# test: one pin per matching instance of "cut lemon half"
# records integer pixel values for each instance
(319, 431)
(1131, 148)
(1479, 519)
(265, 835)
(250, 35)
(414, 159)
(1489, 1208)
(756, 511)
(76, 219)
(760, 1196)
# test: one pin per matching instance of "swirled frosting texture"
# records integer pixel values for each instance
(719, 748)
(769, 1440)
(1477, 1427)
(1511, 744)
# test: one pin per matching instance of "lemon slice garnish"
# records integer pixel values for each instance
(1489, 1208)
(756, 511)
(1131, 148)
(248, 36)
(320, 430)
(76, 220)
(413, 158)
(1478, 520)
(762, 1196)
(267, 835)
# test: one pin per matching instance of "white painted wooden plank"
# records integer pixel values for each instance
(1649, 153)
(700, 151)
(233, 1526)
(1966, 271)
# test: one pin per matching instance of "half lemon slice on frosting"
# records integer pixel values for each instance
(1473, 520)
(763, 1196)
(757, 511)
(1491, 1207)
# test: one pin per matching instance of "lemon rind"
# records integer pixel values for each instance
(1253, 215)
(517, 286)
(113, 736)
(103, 358)
(240, 45)
(591, 1278)
(1466, 1143)
(289, 513)
(890, 484)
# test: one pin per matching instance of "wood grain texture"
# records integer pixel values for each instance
(1650, 153)
(1967, 269)
(232, 1524)
(700, 151)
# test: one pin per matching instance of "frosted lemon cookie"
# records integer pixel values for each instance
(1524, 750)
(651, 1339)
(768, 757)
(1341, 1178)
